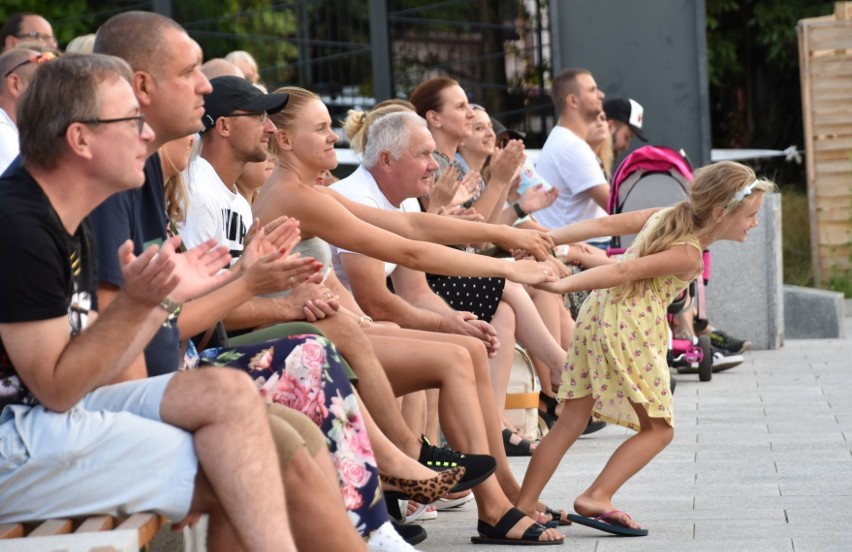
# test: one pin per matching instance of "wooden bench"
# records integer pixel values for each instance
(146, 526)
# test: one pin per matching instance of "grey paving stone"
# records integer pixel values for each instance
(813, 487)
(761, 461)
(733, 529)
(741, 504)
(740, 545)
(821, 544)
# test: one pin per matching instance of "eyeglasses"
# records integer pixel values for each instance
(38, 36)
(139, 118)
(42, 57)
(262, 114)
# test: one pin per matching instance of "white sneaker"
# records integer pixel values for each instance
(448, 503)
(723, 360)
(386, 539)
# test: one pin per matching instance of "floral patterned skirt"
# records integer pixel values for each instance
(306, 373)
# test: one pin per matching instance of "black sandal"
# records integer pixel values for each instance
(557, 516)
(497, 534)
(521, 448)
(549, 416)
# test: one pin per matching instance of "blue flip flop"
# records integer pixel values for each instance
(602, 523)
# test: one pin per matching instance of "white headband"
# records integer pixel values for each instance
(741, 195)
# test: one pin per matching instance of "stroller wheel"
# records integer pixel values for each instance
(705, 368)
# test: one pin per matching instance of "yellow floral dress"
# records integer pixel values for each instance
(618, 353)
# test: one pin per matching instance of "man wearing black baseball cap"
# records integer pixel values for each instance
(625, 117)
(232, 94)
(236, 131)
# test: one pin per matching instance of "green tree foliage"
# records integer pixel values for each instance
(261, 27)
(69, 18)
(753, 66)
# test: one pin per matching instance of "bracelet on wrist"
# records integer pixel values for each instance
(170, 306)
(518, 210)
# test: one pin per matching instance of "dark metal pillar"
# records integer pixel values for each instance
(381, 52)
(163, 7)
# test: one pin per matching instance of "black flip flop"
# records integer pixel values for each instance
(601, 524)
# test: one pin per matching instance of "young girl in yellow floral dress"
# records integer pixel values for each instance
(616, 366)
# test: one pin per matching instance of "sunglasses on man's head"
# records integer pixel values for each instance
(42, 57)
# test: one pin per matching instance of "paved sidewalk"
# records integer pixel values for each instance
(761, 461)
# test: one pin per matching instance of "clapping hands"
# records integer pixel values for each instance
(161, 272)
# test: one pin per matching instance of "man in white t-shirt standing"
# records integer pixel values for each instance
(236, 131)
(566, 160)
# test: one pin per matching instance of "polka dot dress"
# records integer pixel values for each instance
(473, 294)
(477, 295)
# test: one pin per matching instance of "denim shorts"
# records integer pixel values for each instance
(109, 454)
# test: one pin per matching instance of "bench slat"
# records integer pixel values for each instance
(52, 527)
(145, 524)
(95, 524)
(11, 531)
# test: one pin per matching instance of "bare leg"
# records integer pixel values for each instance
(221, 536)
(413, 409)
(314, 492)
(431, 429)
(410, 364)
(221, 405)
(682, 325)
(501, 363)
(533, 334)
(479, 358)
(633, 455)
(373, 386)
(554, 316)
(391, 460)
(552, 448)
(322, 520)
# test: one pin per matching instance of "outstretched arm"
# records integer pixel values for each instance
(446, 230)
(322, 216)
(613, 225)
(682, 261)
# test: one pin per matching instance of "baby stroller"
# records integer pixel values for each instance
(657, 176)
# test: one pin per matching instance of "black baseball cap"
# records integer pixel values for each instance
(627, 111)
(232, 93)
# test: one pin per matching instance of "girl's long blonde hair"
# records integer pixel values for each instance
(725, 185)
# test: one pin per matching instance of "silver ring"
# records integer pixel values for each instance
(329, 294)
(292, 280)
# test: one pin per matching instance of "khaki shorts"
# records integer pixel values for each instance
(292, 430)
